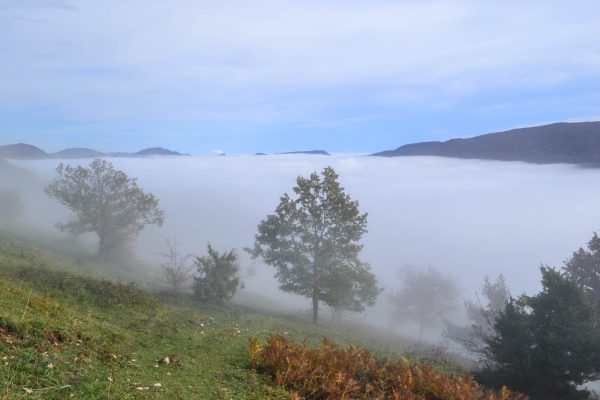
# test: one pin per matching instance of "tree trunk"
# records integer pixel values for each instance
(103, 247)
(315, 300)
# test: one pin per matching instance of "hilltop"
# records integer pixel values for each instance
(77, 152)
(24, 151)
(571, 143)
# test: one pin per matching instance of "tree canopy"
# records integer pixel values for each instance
(106, 202)
(313, 242)
(545, 345)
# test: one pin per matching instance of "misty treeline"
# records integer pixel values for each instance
(545, 345)
(12, 203)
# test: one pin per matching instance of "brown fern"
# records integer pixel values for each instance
(331, 372)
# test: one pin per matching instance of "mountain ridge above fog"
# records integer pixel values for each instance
(23, 151)
(562, 142)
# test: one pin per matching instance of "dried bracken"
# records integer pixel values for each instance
(331, 372)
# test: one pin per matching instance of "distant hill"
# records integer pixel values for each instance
(571, 143)
(318, 152)
(22, 151)
(77, 152)
(158, 151)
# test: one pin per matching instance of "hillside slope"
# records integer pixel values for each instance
(571, 143)
(66, 333)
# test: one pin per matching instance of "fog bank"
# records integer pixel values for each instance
(473, 218)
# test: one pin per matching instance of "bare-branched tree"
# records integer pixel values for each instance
(174, 266)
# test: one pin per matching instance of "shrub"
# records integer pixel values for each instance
(217, 279)
(330, 372)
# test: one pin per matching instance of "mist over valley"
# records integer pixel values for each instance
(466, 217)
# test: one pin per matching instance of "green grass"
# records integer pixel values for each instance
(67, 333)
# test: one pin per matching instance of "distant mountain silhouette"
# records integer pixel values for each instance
(22, 151)
(572, 143)
(319, 152)
(158, 151)
(77, 152)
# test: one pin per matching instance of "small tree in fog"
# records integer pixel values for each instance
(425, 296)
(481, 317)
(217, 276)
(313, 243)
(106, 202)
(174, 266)
(11, 204)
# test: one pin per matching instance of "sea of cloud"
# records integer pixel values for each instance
(467, 217)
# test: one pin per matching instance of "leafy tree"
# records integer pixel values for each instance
(312, 241)
(426, 295)
(481, 317)
(545, 345)
(584, 267)
(174, 266)
(106, 202)
(217, 279)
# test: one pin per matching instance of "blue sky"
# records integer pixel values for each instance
(272, 76)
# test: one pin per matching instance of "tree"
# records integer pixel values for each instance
(545, 345)
(217, 279)
(481, 317)
(312, 241)
(584, 267)
(174, 266)
(106, 202)
(426, 295)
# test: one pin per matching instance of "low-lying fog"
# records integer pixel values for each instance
(472, 218)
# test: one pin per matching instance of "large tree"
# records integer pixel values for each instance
(545, 345)
(106, 202)
(313, 242)
(426, 295)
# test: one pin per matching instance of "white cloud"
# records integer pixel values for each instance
(269, 61)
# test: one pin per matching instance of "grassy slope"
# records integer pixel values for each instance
(74, 336)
